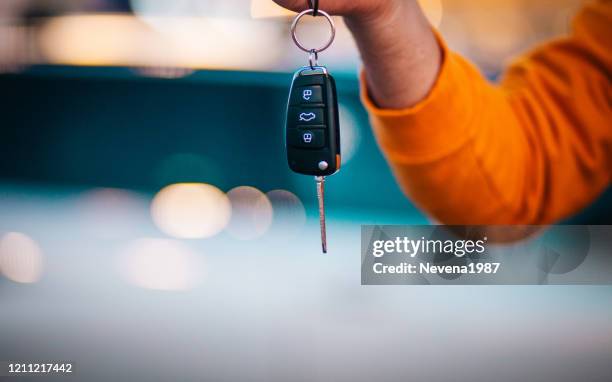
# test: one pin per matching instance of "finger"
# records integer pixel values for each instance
(294, 5)
(335, 7)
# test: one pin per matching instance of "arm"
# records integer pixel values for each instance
(534, 150)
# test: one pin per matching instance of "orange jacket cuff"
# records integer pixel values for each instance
(432, 128)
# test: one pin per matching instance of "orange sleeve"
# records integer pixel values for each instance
(533, 150)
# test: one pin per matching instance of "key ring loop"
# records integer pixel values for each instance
(298, 42)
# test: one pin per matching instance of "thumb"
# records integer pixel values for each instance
(335, 7)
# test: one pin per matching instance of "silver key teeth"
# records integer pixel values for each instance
(321, 197)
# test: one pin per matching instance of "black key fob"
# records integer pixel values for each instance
(312, 133)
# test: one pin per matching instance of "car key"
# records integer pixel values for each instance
(312, 127)
(312, 131)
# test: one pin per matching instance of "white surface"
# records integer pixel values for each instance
(277, 310)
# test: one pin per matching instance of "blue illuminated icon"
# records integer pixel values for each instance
(306, 94)
(307, 137)
(307, 117)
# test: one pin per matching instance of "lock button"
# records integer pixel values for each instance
(306, 138)
(307, 95)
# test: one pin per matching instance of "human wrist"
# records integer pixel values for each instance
(400, 53)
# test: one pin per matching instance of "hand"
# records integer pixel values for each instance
(400, 53)
(349, 8)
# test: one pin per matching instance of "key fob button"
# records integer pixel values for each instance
(307, 95)
(307, 116)
(306, 138)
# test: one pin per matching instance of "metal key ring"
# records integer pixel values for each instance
(297, 41)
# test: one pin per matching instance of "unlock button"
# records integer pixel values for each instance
(306, 138)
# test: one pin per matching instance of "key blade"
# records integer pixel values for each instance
(321, 197)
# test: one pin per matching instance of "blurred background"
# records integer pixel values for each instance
(150, 228)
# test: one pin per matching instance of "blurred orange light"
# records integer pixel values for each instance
(20, 258)
(251, 213)
(190, 210)
(158, 41)
(93, 39)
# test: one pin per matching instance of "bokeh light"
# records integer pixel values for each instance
(251, 213)
(21, 259)
(111, 212)
(92, 39)
(230, 34)
(190, 210)
(289, 215)
(193, 8)
(496, 34)
(433, 11)
(161, 264)
(165, 72)
(160, 40)
(15, 47)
